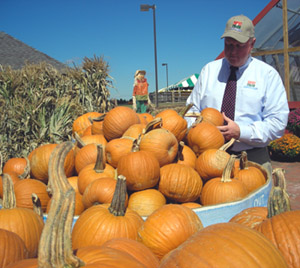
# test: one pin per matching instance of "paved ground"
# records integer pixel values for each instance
(292, 176)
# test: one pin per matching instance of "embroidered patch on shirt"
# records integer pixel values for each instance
(251, 84)
(237, 26)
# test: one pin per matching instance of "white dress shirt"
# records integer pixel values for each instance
(261, 108)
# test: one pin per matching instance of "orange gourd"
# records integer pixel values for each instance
(168, 227)
(117, 121)
(224, 189)
(100, 223)
(83, 121)
(19, 165)
(213, 116)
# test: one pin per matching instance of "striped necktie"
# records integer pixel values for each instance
(228, 104)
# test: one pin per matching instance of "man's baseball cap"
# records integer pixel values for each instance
(239, 28)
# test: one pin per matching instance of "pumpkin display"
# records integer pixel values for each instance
(211, 163)
(145, 202)
(162, 143)
(180, 183)
(204, 135)
(83, 121)
(141, 168)
(224, 189)
(168, 227)
(225, 245)
(22, 221)
(251, 176)
(24, 189)
(39, 162)
(12, 248)
(118, 120)
(100, 223)
(95, 171)
(116, 148)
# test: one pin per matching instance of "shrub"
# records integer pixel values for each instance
(286, 148)
(294, 122)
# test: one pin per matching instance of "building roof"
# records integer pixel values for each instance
(16, 54)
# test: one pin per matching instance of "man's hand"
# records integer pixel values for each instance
(231, 130)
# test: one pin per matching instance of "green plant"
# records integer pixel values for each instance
(286, 148)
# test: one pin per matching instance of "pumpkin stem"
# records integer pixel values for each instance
(37, 207)
(9, 198)
(136, 144)
(279, 200)
(226, 175)
(244, 160)
(97, 119)
(99, 165)
(55, 248)
(152, 124)
(185, 109)
(179, 156)
(26, 172)
(79, 142)
(227, 145)
(117, 206)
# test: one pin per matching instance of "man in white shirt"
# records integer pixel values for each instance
(261, 107)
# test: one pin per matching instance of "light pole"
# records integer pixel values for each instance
(146, 8)
(166, 64)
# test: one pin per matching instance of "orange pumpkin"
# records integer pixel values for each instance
(224, 189)
(237, 246)
(162, 143)
(83, 121)
(203, 136)
(100, 223)
(145, 202)
(180, 183)
(168, 227)
(117, 121)
(186, 155)
(16, 164)
(213, 116)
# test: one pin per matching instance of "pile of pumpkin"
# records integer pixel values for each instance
(124, 166)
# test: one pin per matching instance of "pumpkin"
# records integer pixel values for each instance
(134, 131)
(141, 168)
(116, 148)
(88, 155)
(180, 183)
(136, 249)
(211, 163)
(100, 223)
(117, 121)
(97, 125)
(145, 118)
(225, 245)
(186, 155)
(95, 138)
(250, 217)
(100, 191)
(83, 121)
(173, 122)
(204, 135)
(39, 162)
(94, 171)
(191, 205)
(168, 227)
(145, 202)
(23, 190)
(213, 116)
(22, 221)
(251, 176)
(224, 189)
(73, 180)
(98, 256)
(25, 263)
(18, 165)
(162, 143)
(12, 248)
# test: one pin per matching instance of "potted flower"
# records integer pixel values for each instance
(293, 125)
(286, 148)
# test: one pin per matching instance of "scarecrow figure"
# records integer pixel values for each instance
(140, 96)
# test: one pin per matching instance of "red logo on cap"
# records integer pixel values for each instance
(237, 24)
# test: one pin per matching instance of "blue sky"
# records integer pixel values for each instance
(187, 34)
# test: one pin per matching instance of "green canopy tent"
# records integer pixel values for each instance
(184, 84)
